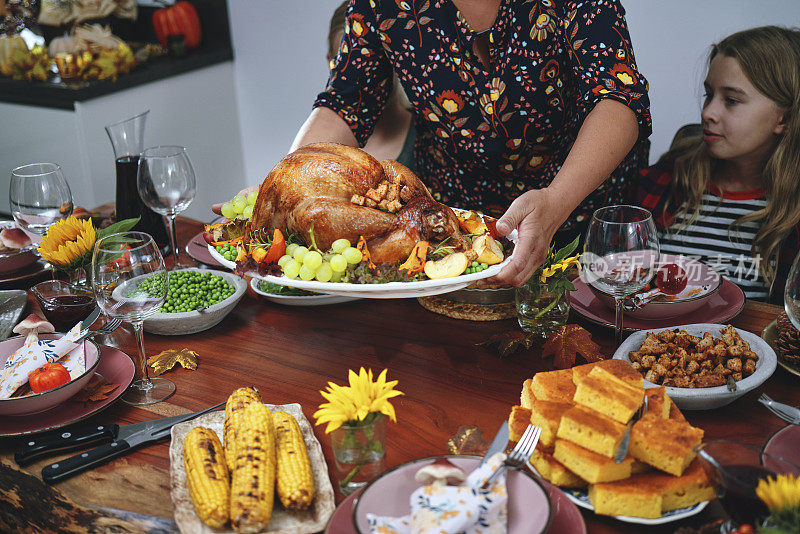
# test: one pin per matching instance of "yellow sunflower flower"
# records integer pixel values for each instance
(68, 243)
(353, 403)
(782, 491)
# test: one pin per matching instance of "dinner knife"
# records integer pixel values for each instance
(82, 436)
(499, 443)
(128, 438)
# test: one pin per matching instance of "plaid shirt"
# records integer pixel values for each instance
(652, 192)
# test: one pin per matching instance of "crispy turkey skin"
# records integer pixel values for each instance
(318, 186)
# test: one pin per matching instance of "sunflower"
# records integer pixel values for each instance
(781, 491)
(354, 403)
(68, 243)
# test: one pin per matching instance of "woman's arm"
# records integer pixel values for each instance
(606, 136)
(323, 125)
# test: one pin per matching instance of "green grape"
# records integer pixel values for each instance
(239, 203)
(248, 212)
(339, 245)
(291, 248)
(352, 255)
(299, 252)
(336, 276)
(324, 272)
(283, 260)
(251, 198)
(338, 263)
(292, 268)
(228, 211)
(306, 273)
(313, 259)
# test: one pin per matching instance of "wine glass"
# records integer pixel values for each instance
(130, 281)
(791, 294)
(620, 254)
(39, 196)
(735, 469)
(167, 185)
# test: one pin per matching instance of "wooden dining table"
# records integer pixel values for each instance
(289, 353)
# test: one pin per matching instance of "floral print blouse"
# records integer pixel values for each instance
(485, 135)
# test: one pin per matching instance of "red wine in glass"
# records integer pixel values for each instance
(737, 492)
(65, 311)
(129, 203)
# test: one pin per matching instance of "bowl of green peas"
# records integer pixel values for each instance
(197, 299)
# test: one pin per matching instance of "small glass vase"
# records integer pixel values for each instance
(359, 451)
(540, 312)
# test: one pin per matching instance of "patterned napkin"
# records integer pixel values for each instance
(30, 357)
(467, 508)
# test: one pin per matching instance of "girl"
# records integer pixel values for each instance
(731, 196)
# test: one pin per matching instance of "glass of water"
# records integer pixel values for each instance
(39, 196)
(130, 282)
(621, 254)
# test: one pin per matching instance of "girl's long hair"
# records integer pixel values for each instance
(770, 58)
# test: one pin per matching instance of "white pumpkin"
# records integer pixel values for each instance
(65, 45)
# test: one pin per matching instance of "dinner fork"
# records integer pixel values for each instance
(790, 414)
(105, 329)
(622, 448)
(521, 452)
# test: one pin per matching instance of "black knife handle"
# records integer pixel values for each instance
(81, 462)
(63, 441)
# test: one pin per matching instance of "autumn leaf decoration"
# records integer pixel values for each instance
(567, 342)
(97, 389)
(166, 360)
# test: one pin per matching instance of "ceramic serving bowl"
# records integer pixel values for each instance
(40, 402)
(713, 397)
(703, 282)
(529, 507)
(15, 259)
(177, 324)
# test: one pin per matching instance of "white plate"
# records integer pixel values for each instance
(389, 290)
(713, 397)
(581, 498)
(299, 300)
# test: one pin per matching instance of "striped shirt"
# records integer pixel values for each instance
(713, 238)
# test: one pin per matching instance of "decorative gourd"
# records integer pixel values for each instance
(65, 45)
(180, 19)
(8, 45)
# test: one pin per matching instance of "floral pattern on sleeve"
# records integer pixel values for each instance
(488, 133)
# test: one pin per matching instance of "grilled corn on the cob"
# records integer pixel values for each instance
(236, 402)
(207, 475)
(295, 479)
(253, 477)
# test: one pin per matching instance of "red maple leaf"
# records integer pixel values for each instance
(567, 342)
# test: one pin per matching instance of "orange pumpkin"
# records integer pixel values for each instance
(180, 19)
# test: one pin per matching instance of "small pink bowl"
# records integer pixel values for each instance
(15, 259)
(703, 283)
(40, 402)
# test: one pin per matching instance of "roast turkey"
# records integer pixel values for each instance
(342, 192)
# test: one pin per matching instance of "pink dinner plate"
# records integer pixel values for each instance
(388, 495)
(565, 516)
(115, 366)
(198, 250)
(722, 306)
(784, 444)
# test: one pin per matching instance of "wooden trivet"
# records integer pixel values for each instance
(470, 312)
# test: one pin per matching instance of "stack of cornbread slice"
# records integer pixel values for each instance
(583, 413)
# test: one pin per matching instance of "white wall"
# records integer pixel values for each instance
(280, 65)
(196, 109)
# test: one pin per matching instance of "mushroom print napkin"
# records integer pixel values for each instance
(30, 357)
(468, 508)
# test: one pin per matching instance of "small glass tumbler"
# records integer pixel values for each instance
(539, 311)
(359, 451)
(63, 304)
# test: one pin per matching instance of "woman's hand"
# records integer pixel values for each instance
(536, 215)
(217, 208)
